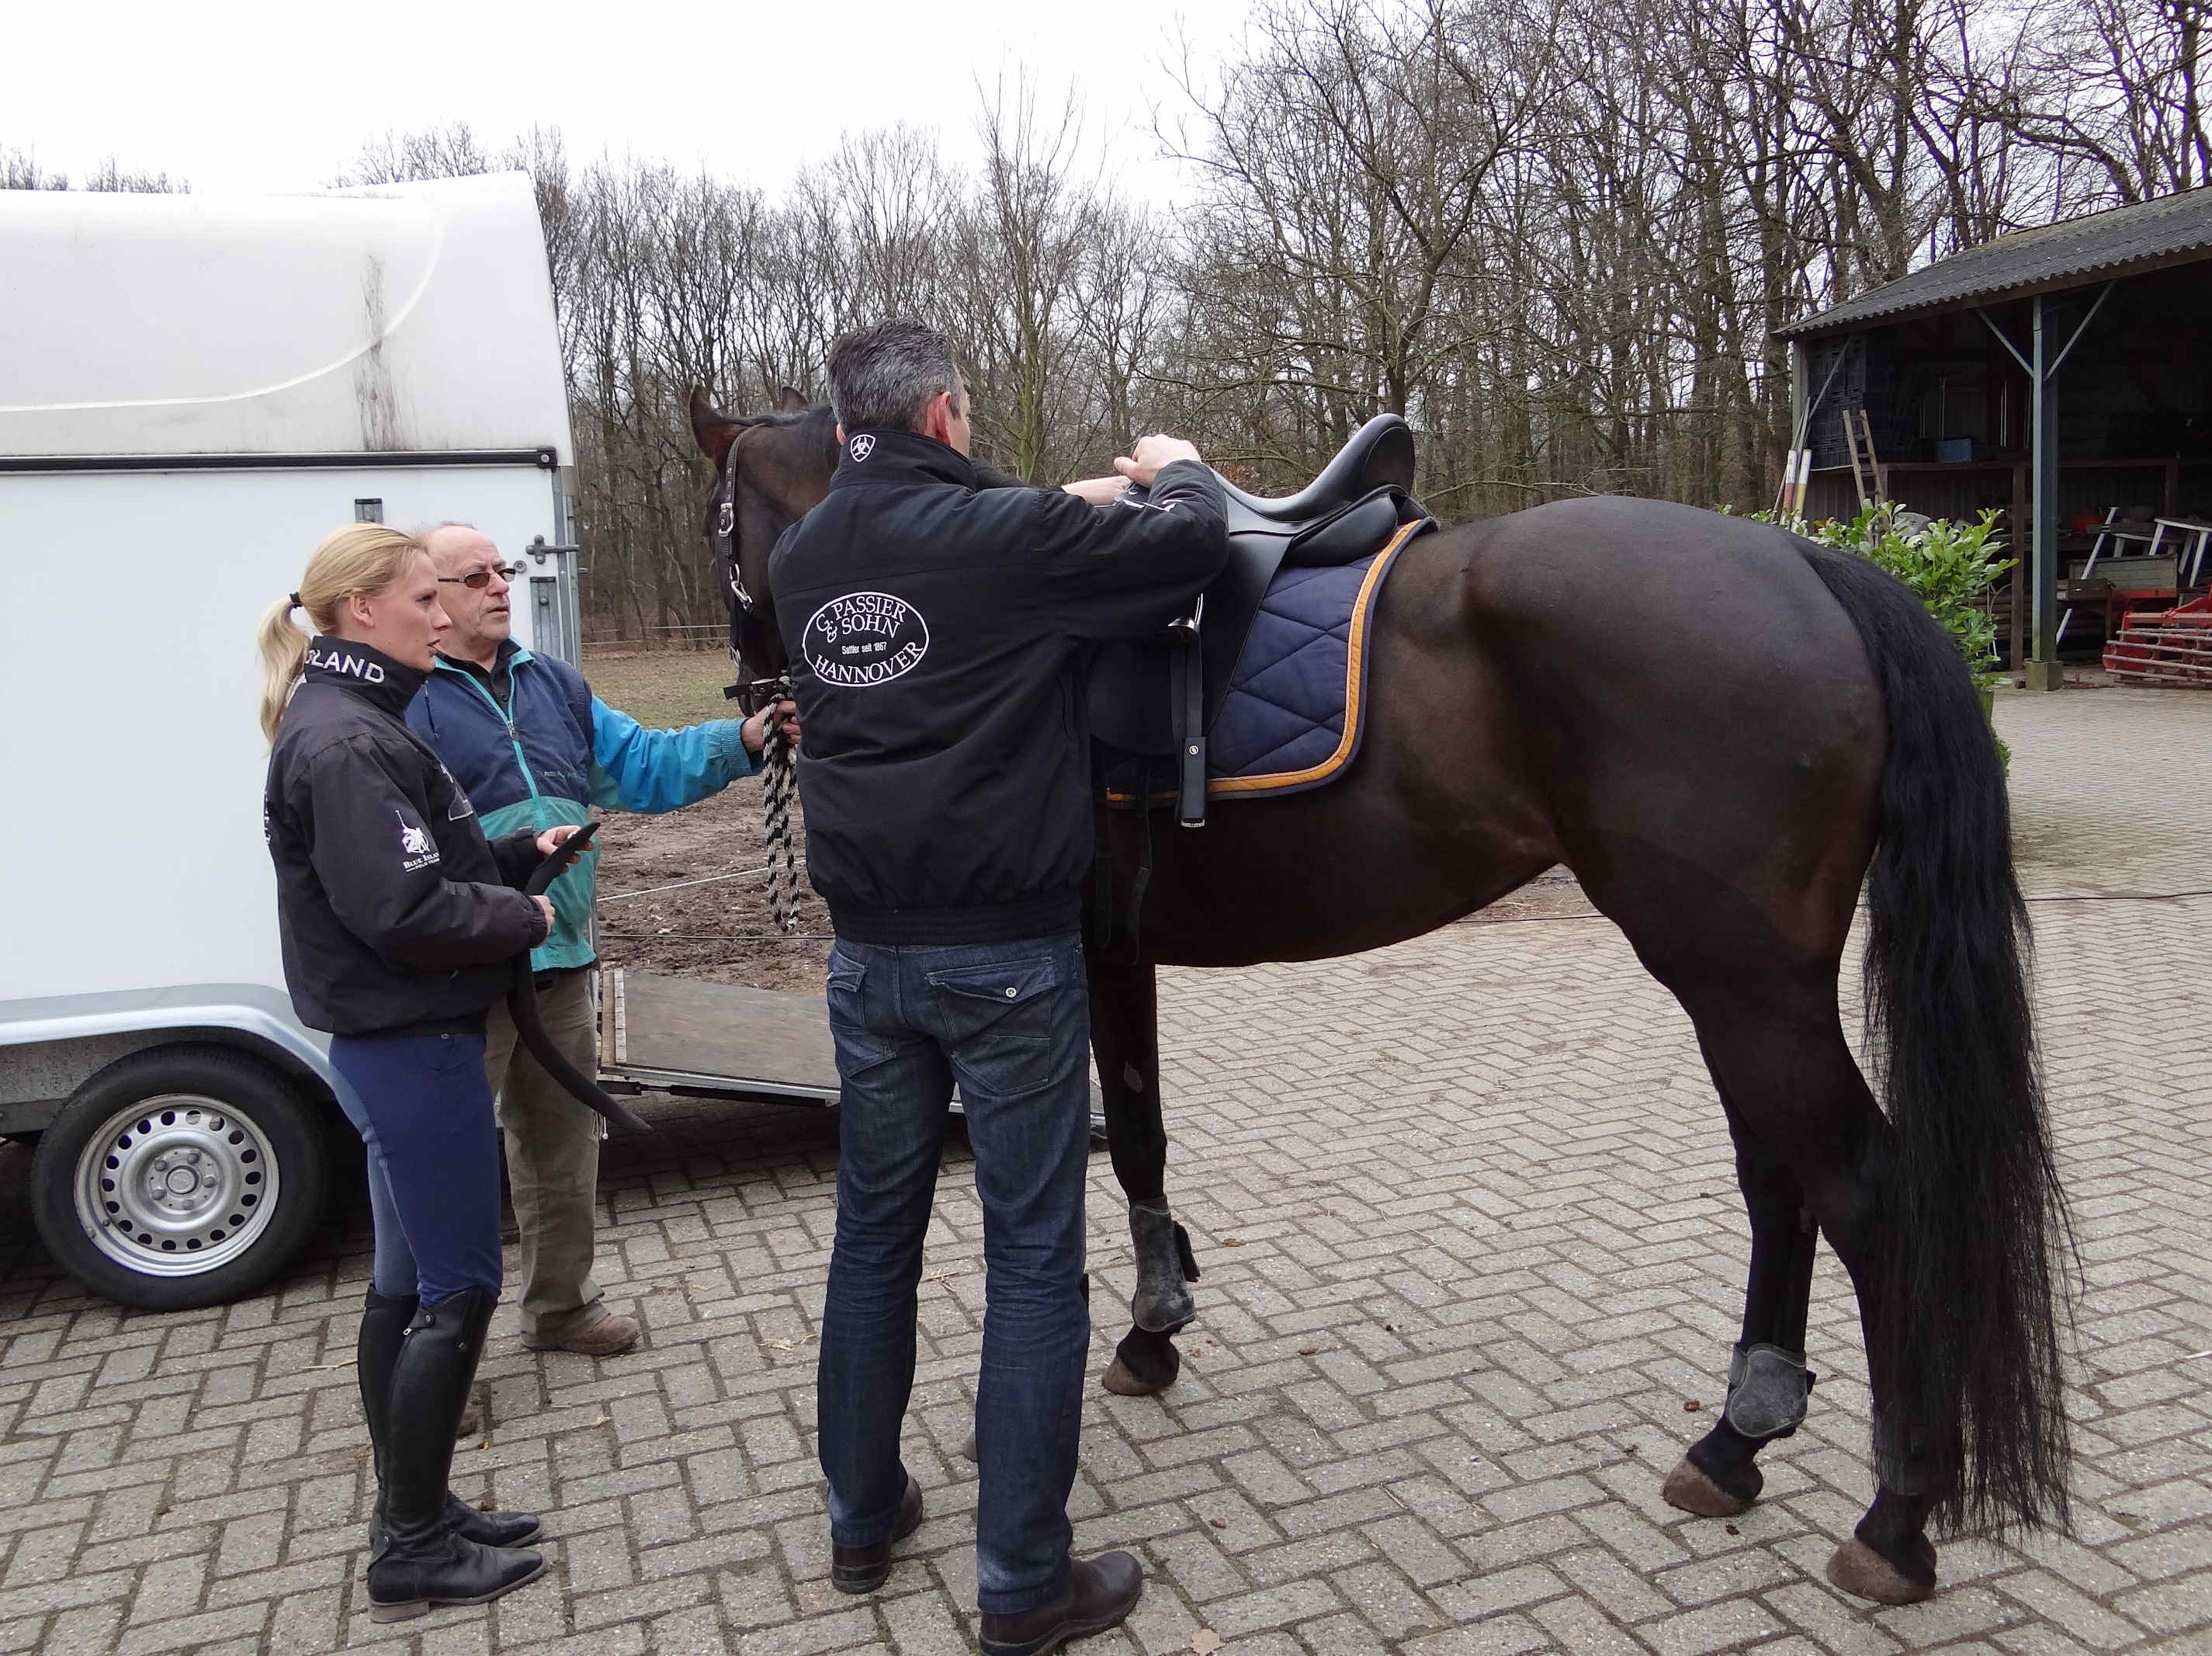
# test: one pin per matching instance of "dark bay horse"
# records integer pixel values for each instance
(1722, 731)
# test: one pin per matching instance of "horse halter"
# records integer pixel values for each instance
(750, 695)
(722, 534)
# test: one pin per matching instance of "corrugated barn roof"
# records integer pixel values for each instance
(2179, 223)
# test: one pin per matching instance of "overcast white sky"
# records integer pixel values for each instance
(246, 95)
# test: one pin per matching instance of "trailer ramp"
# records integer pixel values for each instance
(687, 1036)
(698, 1039)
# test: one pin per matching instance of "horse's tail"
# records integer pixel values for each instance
(1973, 1219)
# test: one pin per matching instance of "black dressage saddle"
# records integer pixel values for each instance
(1157, 699)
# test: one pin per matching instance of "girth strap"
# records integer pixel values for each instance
(1187, 712)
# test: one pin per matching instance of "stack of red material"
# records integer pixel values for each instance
(2167, 646)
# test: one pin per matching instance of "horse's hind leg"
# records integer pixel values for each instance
(1768, 1380)
(1777, 1054)
(1125, 1039)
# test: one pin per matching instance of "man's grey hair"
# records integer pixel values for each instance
(883, 377)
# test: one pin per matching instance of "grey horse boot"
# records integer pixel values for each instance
(1162, 1303)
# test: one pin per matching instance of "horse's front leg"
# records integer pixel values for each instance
(1125, 1037)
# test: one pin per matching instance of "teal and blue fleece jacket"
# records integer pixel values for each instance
(532, 747)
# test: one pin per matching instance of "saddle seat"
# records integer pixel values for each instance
(1154, 700)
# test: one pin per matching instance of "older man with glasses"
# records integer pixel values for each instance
(531, 746)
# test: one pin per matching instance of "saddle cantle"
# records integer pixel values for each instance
(1157, 700)
(1379, 455)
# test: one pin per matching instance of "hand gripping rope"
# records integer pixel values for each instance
(522, 1002)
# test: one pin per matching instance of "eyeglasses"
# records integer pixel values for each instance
(476, 579)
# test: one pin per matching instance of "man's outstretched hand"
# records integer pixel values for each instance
(1146, 458)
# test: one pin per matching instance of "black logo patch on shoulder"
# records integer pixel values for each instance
(864, 639)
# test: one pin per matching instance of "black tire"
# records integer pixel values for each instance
(195, 1138)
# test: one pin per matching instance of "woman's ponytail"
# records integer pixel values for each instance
(283, 649)
(361, 558)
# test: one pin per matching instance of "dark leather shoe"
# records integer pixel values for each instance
(420, 1559)
(862, 1569)
(416, 1572)
(1100, 1592)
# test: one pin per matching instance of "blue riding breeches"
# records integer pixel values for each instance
(423, 1108)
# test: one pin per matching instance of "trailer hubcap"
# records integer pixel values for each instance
(175, 1185)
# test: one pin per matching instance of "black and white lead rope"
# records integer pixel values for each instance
(779, 782)
(778, 785)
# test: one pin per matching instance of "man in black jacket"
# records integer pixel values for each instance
(936, 635)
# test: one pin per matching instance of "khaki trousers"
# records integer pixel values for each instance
(552, 1155)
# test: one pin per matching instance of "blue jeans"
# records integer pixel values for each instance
(1012, 1023)
(423, 1107)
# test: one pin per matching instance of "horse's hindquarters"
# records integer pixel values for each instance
(1700, 716)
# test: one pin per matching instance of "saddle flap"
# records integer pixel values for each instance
(1125, 697)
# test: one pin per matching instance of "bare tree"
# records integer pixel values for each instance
(2119, 100)
(439, 152)
(19, 170)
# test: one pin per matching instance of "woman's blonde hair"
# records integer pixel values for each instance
(362, 558)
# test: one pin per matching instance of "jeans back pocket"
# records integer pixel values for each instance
(1002, 1018)
(858, 1048)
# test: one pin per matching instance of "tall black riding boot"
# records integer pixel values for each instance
(384, 1320)
(423, 1561)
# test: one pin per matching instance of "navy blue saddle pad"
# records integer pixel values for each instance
(1297, 701)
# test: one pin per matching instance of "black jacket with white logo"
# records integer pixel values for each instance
(397, 917)
(936, 634)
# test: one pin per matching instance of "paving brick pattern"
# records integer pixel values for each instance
(1473, 1259)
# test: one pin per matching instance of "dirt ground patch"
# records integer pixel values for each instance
(709, 925)
(662, 687)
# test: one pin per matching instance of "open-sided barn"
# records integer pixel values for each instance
(2063, 374)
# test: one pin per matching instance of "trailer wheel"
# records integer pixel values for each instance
(180, 1177)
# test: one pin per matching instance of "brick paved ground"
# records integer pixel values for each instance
(1473, 1254)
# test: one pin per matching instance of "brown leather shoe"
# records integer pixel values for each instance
(1100, 1592)
(605, 1335)
(863, 1569)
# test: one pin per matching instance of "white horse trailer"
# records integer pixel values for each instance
(193, 391)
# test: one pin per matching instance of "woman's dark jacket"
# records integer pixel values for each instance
(397, 917)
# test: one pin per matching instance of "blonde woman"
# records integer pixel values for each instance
(399, 921)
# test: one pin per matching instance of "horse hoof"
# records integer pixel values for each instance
(1123, 1384)
(1144, 1365)
(1690, 1490)
(1859, 1569)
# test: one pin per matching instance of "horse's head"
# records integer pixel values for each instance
(771, 470)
